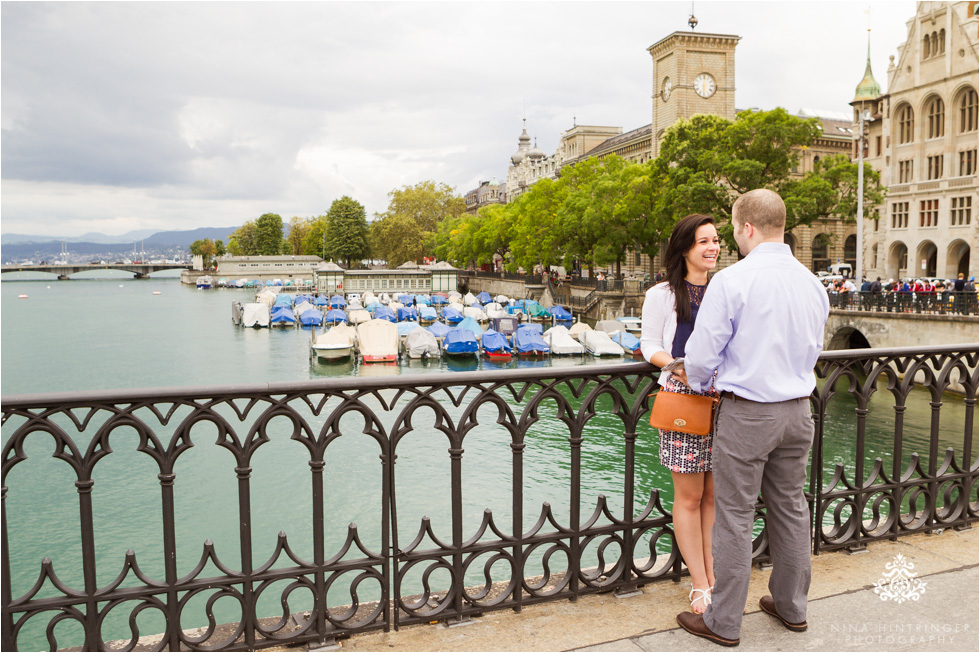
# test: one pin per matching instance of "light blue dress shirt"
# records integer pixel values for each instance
(761, 326)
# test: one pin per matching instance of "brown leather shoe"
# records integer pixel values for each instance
(769, 606)
(694, 624)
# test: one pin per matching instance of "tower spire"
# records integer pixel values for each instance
(868, 88)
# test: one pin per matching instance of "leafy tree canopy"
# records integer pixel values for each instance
(347, 231)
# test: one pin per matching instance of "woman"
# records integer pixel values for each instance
(669, 311)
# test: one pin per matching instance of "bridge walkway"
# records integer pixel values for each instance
(845, 614)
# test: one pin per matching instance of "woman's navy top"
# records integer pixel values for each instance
(686, 327)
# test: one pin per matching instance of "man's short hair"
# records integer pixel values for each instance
(762, 208)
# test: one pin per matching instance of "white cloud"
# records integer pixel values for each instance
(181, 115)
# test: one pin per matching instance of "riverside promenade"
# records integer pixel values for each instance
(845, 613)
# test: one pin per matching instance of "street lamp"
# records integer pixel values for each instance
(863, 117)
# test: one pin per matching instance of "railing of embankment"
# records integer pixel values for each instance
(934, 303)
(557, 553)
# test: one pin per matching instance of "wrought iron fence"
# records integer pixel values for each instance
(533, 558)
(937, 303)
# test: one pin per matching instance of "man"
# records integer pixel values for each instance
(760, 326)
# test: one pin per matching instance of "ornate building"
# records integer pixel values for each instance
(693, 73)
(922, 138)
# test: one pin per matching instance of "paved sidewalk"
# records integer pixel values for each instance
(844, 613)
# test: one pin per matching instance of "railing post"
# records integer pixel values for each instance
(517, 519)
(7, 642)
(575, 564)
(170, 558)
(84, 487)
(245, 535)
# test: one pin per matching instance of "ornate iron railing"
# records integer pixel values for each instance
(935, 303)
(534, 558)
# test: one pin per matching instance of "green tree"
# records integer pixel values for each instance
(536, 239)
(427, 204)
(315, 240)
(298, 228)
(397, 238)
(707, 162)
(268, 236)
(348, 237)
(207, 250)
(243, 242)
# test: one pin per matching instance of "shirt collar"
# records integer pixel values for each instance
(771, 248)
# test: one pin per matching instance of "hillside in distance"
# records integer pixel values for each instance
(168, 243)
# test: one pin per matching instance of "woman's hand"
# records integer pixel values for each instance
(680, 374)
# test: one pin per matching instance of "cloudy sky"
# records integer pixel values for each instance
(136, 115)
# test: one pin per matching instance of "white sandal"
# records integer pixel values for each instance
(704, 595)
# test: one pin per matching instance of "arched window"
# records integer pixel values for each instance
(935, 44)
(942, 41)
(906, 123)
(936, 111)
(968, 111)
(925, 46)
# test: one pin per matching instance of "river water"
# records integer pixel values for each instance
(105, 333)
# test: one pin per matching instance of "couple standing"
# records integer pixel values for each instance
(753, 335)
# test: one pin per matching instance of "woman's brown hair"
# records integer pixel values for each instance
(681, 240)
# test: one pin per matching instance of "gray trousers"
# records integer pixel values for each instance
(760, 447)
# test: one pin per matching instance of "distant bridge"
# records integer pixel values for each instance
(139, 270)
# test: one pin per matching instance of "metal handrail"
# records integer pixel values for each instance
(940, 491)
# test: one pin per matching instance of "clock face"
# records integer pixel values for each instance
(704, 85)
(665, 89)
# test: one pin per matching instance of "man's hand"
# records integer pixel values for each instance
(680, 374)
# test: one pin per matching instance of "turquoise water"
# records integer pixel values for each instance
(115, 333)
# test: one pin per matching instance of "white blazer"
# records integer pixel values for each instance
(659, 323)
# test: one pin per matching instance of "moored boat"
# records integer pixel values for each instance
(336, 344)
(255, 314)
(529, 343)
(598, 343)
(495, 346)
(460, 342)
(378, 341)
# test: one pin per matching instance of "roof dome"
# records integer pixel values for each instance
(522, 148)
(536, 154)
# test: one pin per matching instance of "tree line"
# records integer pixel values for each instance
(593, 214)
(598, 210)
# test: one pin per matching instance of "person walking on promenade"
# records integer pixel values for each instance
(760, 328)
(670, 309)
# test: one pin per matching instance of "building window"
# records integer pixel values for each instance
(935, 166)
(926, 49)
(936, 111)
(874, 256)
(968, 162)
(906, 122)
(968, 111)
(929, 213)
(960, 211)
(900, 215)
(905, 171)
(877, 218)
(942, 41)
(877, 145)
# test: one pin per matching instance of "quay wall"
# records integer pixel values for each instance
(882, 329)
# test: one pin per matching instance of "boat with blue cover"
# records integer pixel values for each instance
(461, 343)
(495, 346)
(282, 316)
(451, 315)
(528, 342)
(335, 316)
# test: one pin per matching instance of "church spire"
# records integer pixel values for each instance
(868, 88)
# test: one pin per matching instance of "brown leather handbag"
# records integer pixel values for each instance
(676, 411)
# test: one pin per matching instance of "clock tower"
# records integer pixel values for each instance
(693, 73)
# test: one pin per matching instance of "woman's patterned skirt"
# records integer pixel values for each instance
(683, 452)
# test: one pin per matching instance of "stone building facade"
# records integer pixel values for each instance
(922, 137)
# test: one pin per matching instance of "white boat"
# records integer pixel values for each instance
(561, 343)
(336, 344)
(420, 343)
(632, 324)
(469, 298)
(378, 341)
(609, 326)
(255, 314)
(358, 316)
(598, 343)
(502, 299)
(475, 313)
(204, 282)
(577, 329)
(494, 309)
(384, 298)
